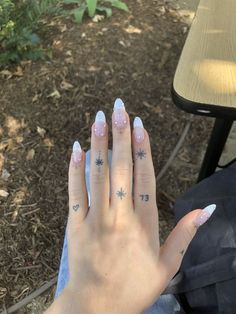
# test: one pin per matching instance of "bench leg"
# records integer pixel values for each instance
(215, 147)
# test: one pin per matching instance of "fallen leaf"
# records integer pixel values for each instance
(68, 53)
(19, 139)
(146, 104)
(97, 18)
(5, 174)
(63, 28)
(69, 60)
(10, 144)
(19, 71)
(122, 43)
(48, 143)
(157, 109)
(41, 131)
(65, 85)
(133, 30)
(93, 68)
(3, 193)
(25, 62)
(55, 94)
(35, 98)
(30, 154)
(6, 74)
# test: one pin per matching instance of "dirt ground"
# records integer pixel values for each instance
(46, 105)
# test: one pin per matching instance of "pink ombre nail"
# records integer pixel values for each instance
(77, 153)
(204, 215)
(120, 117)
(138, 130)
(100, 124)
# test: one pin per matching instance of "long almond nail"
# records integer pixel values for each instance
(138, 130)
(204, 215)
(100, 124)
(77, 153)
(120, 118)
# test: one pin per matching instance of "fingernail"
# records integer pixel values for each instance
(138, 130)
(204, 215)
(77, 153)
(120, 118)
(100, 124)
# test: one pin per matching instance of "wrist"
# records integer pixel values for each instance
(65, 303)
(71, 302)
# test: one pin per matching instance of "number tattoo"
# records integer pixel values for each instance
(144, 197)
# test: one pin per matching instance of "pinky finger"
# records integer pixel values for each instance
(78, 201)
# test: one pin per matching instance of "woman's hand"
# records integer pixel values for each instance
(116, 264)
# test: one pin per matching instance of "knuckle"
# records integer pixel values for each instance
(144, 177)
(98, 178)
(123, 170)
(187, 235)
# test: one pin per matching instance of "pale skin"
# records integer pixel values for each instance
(116, 263)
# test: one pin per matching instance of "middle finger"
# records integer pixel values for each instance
(122, 166)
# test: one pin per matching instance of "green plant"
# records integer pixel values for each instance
(19, 22)
(92, 6)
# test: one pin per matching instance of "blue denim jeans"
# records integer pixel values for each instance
(166, 304)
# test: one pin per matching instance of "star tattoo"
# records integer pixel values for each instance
(141, 154)
(121, 193)
(99, 162)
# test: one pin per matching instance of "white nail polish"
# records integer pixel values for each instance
(210, 209)
(120, 115)
(100, 124)
(204, 215)
(139, 134)
(77, 153)
(138, 123)
(100, 117)
(119, 105)
(77, 147)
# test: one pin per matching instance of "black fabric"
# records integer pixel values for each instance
(206, 282)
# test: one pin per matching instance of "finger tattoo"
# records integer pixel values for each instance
(99, 161)
(144, 197)
(141, 154)
(121, 193)
(76, 207)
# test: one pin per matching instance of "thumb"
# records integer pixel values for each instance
(175, 246)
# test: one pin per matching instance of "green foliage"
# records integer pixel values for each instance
(19, 22)
(92, 6)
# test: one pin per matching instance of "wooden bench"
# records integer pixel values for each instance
(205, 78)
